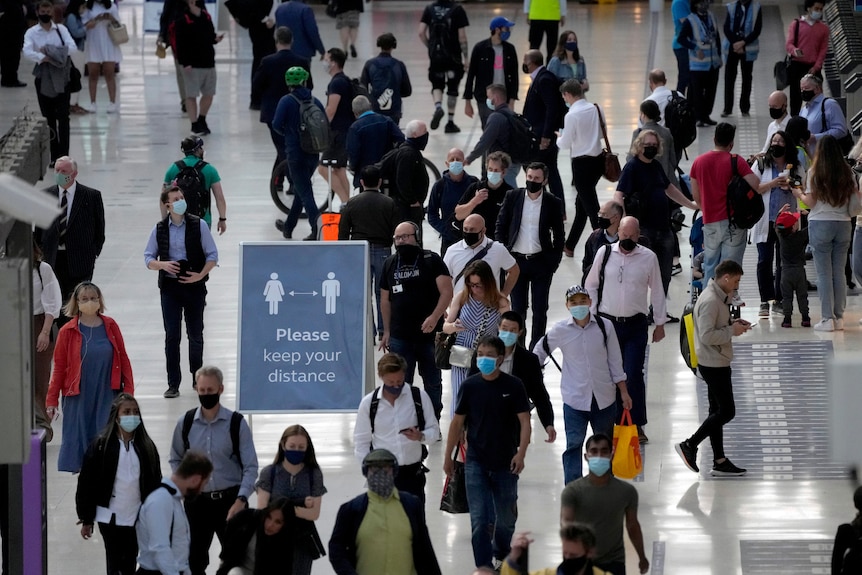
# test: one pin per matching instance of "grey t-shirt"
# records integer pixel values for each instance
(280, 483)
(604, 508)
(499, 75)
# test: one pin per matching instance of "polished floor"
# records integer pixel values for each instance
(781, 519)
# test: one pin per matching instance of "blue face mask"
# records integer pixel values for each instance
(579, 311)
(180, 207)
(393, 389)
(568, 104)
(599, 465)
(509, 337)
(486, 365)
(294, 456)
(494, 178)
(504, 35)
(456, 168)
(571, 46)
(129, 423)
(489, 103)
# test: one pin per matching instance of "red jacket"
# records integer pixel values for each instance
(66, 378)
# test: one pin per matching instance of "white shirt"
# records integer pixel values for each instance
(46, 292)
(36, 37)
(528, 233)
(126, 497)
(661, 96)
(457, 256)
(774, 126)
(388, 423)
(627, 278)
(590, 368)
(582, 131)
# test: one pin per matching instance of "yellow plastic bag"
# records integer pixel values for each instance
(627, 462)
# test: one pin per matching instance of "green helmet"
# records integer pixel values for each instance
(296, 76)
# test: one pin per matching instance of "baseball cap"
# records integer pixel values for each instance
(500, 22)
(787, 220)
(576, 290)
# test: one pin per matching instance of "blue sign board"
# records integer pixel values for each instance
(302, 336)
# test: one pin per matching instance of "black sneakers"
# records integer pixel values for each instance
(727, 469)
(171, 393)
(451, 128)
(438, 115)
(688, 454)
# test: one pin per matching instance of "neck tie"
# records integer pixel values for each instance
(64, 202)
(738, 18)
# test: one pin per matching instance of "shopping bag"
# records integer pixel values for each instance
(627, 463)
(454, 499)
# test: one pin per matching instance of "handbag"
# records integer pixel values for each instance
(161, 51)
(443, 342)
(461, 356)
(779, 71)
(332, 8)
(627, 462)
(612, 168)
(118, 33)
(74, 84)
(454, 498)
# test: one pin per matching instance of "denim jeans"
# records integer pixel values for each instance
(178, 300)
(301, 171)
(683, 70)
(493, 500)
(377, 256)
(421, 351)
(857, 254)
(721, 242)
(830, 241)
(768, 255)
(602, 421)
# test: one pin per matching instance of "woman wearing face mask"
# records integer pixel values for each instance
(295, 475)
(806, 44)
(776, 181)
(474, 313)
(644, 190)
(121, 467)
(256, 541)
(91, 368)
(47, 300)
(567, 61)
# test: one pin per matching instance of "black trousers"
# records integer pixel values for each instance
(68, 282)
(121, 548)
(12, 28)
(730, 81)
(793, 281)
(549, 28)
(534, 280)
(587, 171)
(555, 182)
(794, 74)
(207, 517)
(411, 478)
(722, 408)
(702, 92)
(262, 45)
(56, 111)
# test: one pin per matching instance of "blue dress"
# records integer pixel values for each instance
(472, 315)
(85, 415)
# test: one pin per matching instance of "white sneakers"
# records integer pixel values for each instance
(112, 108)
(91, 107)
(824, 325)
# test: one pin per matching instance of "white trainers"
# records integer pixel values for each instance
(839, 324)
(824, 325)
(91, 107)
(112, 108)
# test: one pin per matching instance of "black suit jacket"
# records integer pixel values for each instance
(85, 232)
(480, 74)
(551, 232)
(268, 85)
(544, 104)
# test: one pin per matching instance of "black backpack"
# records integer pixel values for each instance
(358, 89)
(417, 405)
(680, 120)
(744, 204)
(440, 34)
(852, 562)
(314, 133)
(191, 181)
(235, 419)
(523, 141)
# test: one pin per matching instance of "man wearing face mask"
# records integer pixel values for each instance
(486, 196)
(589, 388)
(530, 225)
(807, 42)
(579, 544)
(444, 196)
(699, 34)
(182, 250)
(778, 112)
(162, 527)
(404, 167)
(742, 27)
(415, 290)
(604, 502)
(492, 61)
(626, 304)
(824, 115)
(383, 530)
(497, 135)
(609, 222)
(339, 99)
(225, 437)
(477, 246)
(494, 409)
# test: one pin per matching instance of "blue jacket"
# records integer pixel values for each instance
(385, 72)
(368, 140)
(442, 200)
(299, 17)
(286, 122)
(268, 85)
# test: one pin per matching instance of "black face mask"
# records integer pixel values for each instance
(650, 152)
(44, 18)
(407, 251)
(776, 113)
(807, 95)
(604, 223)
(525, 69)
(209, 400)
(471, 238)
(534, 187)
(421, 141)
(573, 565)
(628, 244)
(777, 151)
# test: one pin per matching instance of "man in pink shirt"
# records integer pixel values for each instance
(807, 40)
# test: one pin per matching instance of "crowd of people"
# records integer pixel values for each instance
(501, 244)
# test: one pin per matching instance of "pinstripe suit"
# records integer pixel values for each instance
(85, 236)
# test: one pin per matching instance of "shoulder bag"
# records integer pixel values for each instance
(612, 169)
(780, 68)
(461, 356)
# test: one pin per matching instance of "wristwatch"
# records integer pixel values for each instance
(242, 498)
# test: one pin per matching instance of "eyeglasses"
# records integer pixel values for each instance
(476, 285)
(620, 277)
(402, 237)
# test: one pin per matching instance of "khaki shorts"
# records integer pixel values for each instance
(200, 81)
(349, 19)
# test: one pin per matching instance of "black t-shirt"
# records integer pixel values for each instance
(340, 85)
(647, 182)
(490, 208)
(457, 18)
(491, 411)
(413, 293)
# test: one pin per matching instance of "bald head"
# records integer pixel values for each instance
(474, 223)
(406, 234)
(455, 155)
(777, 105)
(630, 228)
